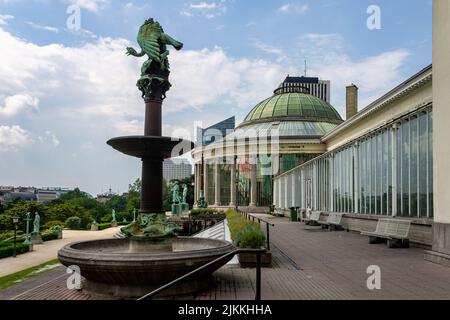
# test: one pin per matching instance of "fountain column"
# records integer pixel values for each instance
(152, 177)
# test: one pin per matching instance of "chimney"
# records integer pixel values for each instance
(352, 100)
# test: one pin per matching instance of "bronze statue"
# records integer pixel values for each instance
(155, 71)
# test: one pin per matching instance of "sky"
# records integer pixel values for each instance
(67, 88)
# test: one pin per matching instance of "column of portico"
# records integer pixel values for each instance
(196, 183)
(205, 182)
(253, 190)
(233, 185)
(217, 201)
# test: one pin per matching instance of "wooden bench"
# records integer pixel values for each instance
(313, 219)
(334, 221)
(394, 231)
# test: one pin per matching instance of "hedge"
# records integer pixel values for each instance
(73, 223)
(51, 224)
(9, 234)
(201, 211)
(244, 233)
(48, 236)
(8, 249)
(103, 226)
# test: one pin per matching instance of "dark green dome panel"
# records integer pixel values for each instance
(295, 104)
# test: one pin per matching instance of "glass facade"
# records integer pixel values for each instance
(374, 156)
(244, 181)
(415, 166)
(225, 184)
(211, 185)
(388, 172)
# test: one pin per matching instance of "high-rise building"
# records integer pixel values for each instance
(310, 85)
(176, 169)
(215, 132)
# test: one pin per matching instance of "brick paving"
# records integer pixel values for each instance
(308, 264)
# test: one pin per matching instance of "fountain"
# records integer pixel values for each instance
(151, 254)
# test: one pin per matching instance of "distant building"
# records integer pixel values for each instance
(310, 85)
(49, 194)
(215, 132)
(6, 189)
(103, 198)
(25, 196)
(176, 169)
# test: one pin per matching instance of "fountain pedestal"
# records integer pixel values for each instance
(151, 255)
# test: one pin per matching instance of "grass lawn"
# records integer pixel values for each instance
(14, 278)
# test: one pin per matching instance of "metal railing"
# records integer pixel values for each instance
(251, 217)
(257, 252)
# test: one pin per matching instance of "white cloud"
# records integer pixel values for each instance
(18, 103)
(88, 93)
(90, 5)
(4, 18)
(208, 10)
(42, 27)
(374, 75)
(208, 77)
(297, 8)
(13, 137)
(52, 137)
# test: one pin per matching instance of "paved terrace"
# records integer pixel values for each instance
(308, 264)
(49, 250)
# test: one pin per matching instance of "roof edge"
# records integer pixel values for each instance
(418, 79)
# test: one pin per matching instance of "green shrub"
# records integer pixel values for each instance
(8, 250)
(9, 234)
(205, 211)
(245, 234)
(106, 218)
(250, 237)
(48, 236)
(103, 226)
(51, 224)
(73, 223)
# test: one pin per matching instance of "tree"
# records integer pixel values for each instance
(118, 203)
(20, 210)
(75, 194)
(134, 196)
(62, 212)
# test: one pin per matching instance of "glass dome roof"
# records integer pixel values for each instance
(295, 105)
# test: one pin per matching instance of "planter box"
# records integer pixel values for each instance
(248, 260)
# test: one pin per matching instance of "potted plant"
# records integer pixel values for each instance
(247, 235)
(251, 237)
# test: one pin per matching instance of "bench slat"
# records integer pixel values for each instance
(391, 229)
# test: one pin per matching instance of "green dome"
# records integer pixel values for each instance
(297, 106)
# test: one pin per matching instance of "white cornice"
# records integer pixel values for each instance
(416, 81)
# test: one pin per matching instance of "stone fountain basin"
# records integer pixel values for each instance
(111, 270)
(151, 147)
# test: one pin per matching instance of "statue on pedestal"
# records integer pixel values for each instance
(155, 71)
(113, 221)
(176, 200)
(36, 234)
(153, 83)
(37, 223)
(184, 204)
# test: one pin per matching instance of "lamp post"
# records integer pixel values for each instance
(16, 226)
(27, 235)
